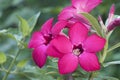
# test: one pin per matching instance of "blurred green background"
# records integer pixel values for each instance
(9, 9)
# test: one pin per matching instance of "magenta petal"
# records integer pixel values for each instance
(39, 55)
(78, 4)
(36, 40)
(58, 27)
(85, 5)
(91, 4)
(112, 9)
(94, 43)
(89, 61)
(77, 33)
(46, 27)
(111, 19)
(62, 44)
(53, 52)
(68, 63)
(66, 13)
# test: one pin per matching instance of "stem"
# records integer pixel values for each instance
(11, 65)
(91, 76)
(111, 63)
(104, 52)
(114, 47)
(13, 62)
(69, 77)
(102, 59)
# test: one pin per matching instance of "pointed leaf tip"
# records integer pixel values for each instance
(33, 20)
(23, 26)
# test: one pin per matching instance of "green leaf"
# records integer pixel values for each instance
(106, 78)
(2, 57)
(33, 20)
(24, 26)
(11, 36)
(31, 69)
(22, 63)
(93, 22)
(111, 63)
(51, 72)
(114, 47)
(27, 26)
(6, 33)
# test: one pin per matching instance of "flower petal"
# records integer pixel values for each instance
(68, 63)
(111, 19)
(78, 4)
(66, 13)
(89, 61)
(53, 52)
(46, 27)
(112, 9)
(58, 27)
(77, 33)
(39, 55)
(85, 5)
(62, 44)
(36, 40)
(94, 43)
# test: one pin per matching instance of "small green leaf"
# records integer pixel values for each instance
(22, 63)
(93, 22)
(111, 63)
(24, 26)
(7, 34)
(30, 69)
(51, 72)
(11, 36)
(114, 47)
(33, 20)
(2, 57)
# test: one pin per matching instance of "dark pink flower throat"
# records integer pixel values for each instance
(77, 50)
(48, 38)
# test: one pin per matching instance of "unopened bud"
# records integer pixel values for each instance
(113, 24)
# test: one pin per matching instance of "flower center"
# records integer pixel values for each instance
(77, 50)
(48, 38)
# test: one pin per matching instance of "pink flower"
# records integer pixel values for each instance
(72, 13)
(78, 48)
(41, 39)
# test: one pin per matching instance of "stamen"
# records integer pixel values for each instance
(77, 50)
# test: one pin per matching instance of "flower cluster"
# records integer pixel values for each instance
(76, 46)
